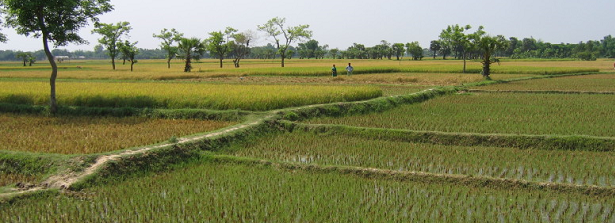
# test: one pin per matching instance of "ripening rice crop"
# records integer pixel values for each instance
(6, 179)
(222, 192)
(418, 67)
(533, 114)
(77, 135)
(553, 166)
(182, 95)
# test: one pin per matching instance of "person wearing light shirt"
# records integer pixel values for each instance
(349, 69)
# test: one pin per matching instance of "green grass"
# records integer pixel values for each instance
(223, 192)
(585, 83)
(30, 168)
(533, 114)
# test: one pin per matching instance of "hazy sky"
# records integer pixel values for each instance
(340, 23)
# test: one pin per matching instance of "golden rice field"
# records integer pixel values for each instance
(157, 69)
(84, 135)
(405, 79)
(181, 95)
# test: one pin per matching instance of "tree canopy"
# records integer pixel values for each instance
(275, 27)
(129, 51)
(168, 39)
(191, 48)
(219, 43)
(57, 21)
(111, 37)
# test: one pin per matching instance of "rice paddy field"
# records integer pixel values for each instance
(552, 166)
(505, 113)
(601, 83)
(236, 193)
(287, 158)
(87, 135)
(182, 95)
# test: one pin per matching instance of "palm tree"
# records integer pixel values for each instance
(191, 48)
(488, 45)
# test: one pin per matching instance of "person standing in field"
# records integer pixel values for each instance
(349, 69)
(334, 71)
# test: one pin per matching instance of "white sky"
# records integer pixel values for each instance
(340, 23)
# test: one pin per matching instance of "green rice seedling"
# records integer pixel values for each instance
(527, 114)
(236, 192)
(585, 83)
(580, 167)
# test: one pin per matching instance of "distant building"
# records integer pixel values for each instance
(61, 58)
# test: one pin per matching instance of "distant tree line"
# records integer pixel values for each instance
(450, 44)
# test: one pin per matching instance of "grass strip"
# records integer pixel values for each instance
(423, 177)
(573, 143)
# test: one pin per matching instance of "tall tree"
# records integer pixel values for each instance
(168, 39)
(219, 43)
(334, 53)
(311, 49)
(24, 57)
(608, 46)
(435, 47)
(55, 21)
(111, 37)
(398, 50)
(384, 49)
(129, 51)
(275, 27)
(414, 48)
(468, 45)
(189, 49)
(241, 48)
(488, 45)
(453, 38)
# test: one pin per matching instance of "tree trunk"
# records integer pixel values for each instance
(220, 62)
(236, 62)
(464, 62)
(113, 62)
(486, 66)
(187, 68)
(131, 65)
(486, 70)
(53, 105)
(169, 63)
(283, 54)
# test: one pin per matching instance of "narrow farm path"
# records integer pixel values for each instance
(65, 180)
